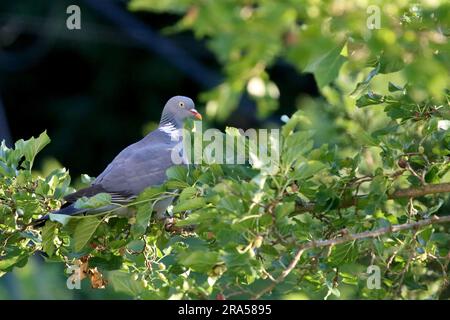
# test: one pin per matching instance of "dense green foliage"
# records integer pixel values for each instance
(319, 37)
(381, 126)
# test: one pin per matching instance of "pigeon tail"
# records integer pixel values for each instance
(70, 210)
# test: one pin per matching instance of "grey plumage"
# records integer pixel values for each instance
(140, 165)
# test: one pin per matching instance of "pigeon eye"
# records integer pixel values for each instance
(181, 104)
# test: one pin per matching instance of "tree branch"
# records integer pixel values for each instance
(421, 191)
(347, 238)
(400, 193)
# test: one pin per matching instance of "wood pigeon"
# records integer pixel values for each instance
(140, 165)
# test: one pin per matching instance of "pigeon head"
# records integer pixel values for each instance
(177, 110)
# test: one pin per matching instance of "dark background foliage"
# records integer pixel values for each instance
(95, 90)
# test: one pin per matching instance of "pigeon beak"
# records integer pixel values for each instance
(196, 114)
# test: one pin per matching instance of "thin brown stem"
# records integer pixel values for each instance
(283, 275)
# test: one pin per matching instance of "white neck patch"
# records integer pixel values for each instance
(171, 130)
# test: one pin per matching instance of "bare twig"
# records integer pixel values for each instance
(414, 173)
(411, 256)
(283, 275)
(444, 266)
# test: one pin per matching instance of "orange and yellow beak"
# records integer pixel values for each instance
(196, 114)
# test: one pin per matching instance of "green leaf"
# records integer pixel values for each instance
(61, 218)
(84, 231)
(188, 193)
(284, 208)
(297, 119)
(391, 63)
(394, 88)
(361, 86)
(86, 179)
(299, 139)
(343, 253)
(296, 145)
(366, 139)
(31, 147)
(143, 215)
(307, 169)
(151, 193)
(48, 236)
(197, 218)
(136, 245)
(369, 99)
(123, 282)
(326, 67)
(349, 278)
(177, 173)
(231, 203)
(175, 184)
(106, 263)
(332, 290)
(199, 261)
(190, 204)
(170, 6)
(97, 201)
(6, 264)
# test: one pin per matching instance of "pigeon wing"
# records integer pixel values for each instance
(137, 167)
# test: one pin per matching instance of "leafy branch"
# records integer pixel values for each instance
(348, 237)
(413, 192)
